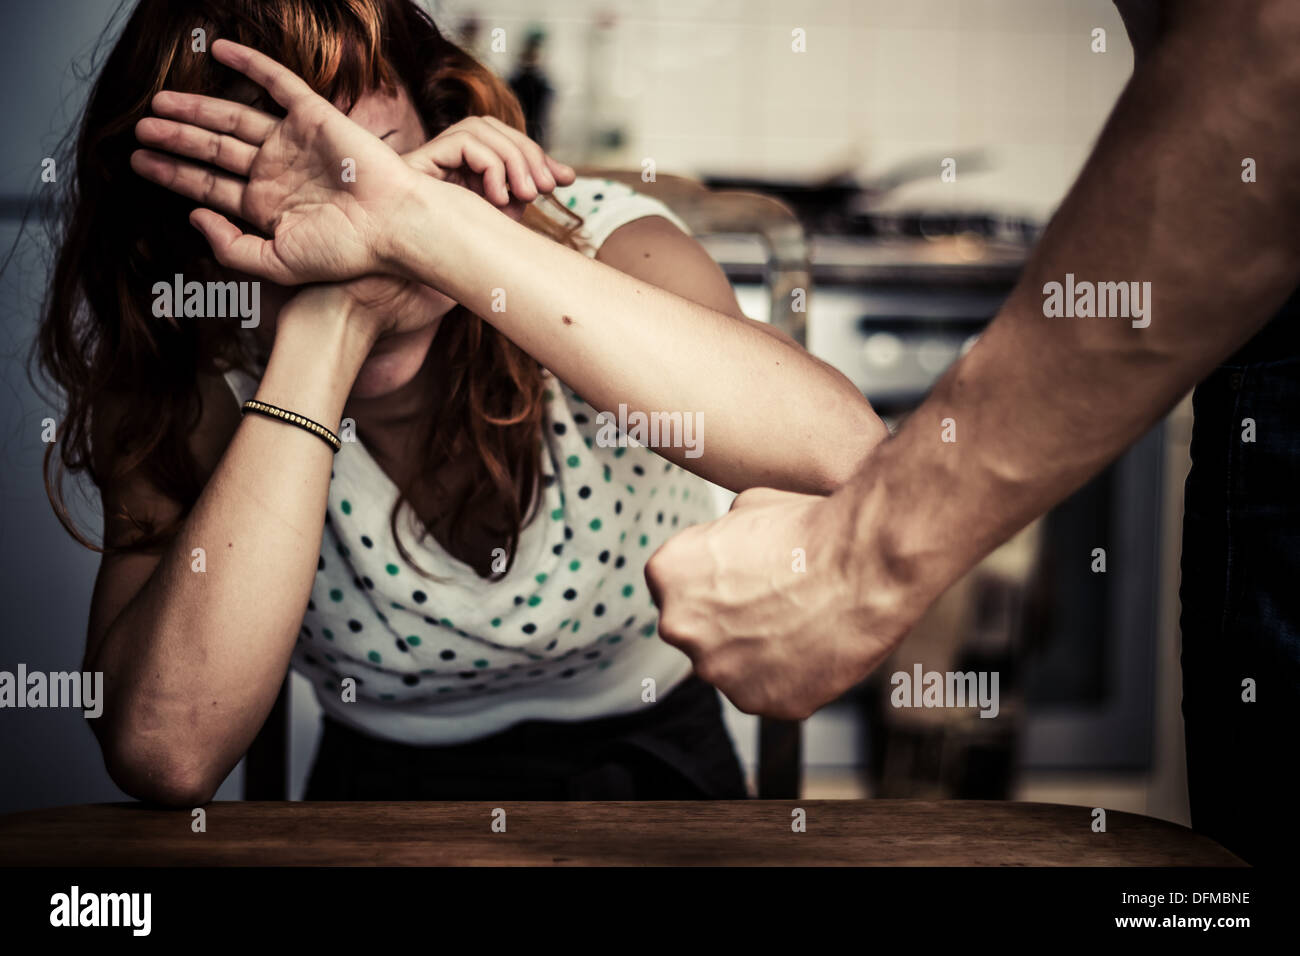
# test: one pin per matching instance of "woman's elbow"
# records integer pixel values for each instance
(169, 775)
(844, 451)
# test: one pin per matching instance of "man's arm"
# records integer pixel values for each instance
(1039, 404)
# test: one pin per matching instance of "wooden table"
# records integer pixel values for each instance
(743, 833)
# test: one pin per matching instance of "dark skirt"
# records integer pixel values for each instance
(675, 749)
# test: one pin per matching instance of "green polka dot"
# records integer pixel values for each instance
(374, 656)
(480, 663)
(608, 473)
(572, 461)
(644, 541)
(573, 201)
(557, 514)
(444, 690)
(627, 590)
(496, 622)
(565, 623)
(631, 490)
(413, 640)
(331, 658)
(446, 623)
(534, 600)
(620, 452)
(615, 638)
(345, 506)
(575, 564)
(391, 568)
(622, 537)
(653, 492)
(548, 396)
(595, 524)
(602, 665)
(541, 578)
(336, 594)
(387, 697)
(648, 630)
(329, 635)
(587, 441)
(576, 625)
(594, 210)
(398, 607)
(686, 493)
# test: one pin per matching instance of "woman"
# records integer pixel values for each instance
(463, 583)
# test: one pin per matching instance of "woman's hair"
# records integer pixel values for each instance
(118, 234)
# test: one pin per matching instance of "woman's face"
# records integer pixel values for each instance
(396, 357)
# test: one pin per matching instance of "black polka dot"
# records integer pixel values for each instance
(629, 622)
(568, 533)
(598, 197)
(365, 539)
(558, 550)
(310, 660)
(619, 562)
(580, 418)
(660, 518)
(306, 630)
(478, 686)
(618, 507)
(468, 675)
(410, 680)
(311, 605)
(355, 625)
(604, 557)
(320, 565)
(430, 620)
(591, 655)
(559, 428)
(568, 672)
(343, 552)
(551, 646)
(674, 521)
(598, 610)
(570, 594)
(419, 597)
(584, 492)
(638, 470)
(447, 655)
(401, 646)
(518, 600)
(357, 582)
(529, 628)
(548, 480)
(370, 585)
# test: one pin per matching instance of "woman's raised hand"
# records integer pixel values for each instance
(322, 187)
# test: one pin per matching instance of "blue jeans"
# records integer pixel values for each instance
(1241, 598)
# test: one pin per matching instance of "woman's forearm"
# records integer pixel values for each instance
(772, 414)
(194, 661)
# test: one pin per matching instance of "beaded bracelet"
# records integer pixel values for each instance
(293, 418)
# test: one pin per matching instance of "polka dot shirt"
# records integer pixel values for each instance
(569, 633)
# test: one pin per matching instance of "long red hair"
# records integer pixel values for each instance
(117, 234)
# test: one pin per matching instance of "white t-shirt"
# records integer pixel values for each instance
(568, 634)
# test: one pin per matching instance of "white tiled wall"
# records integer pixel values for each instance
(707, 86)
